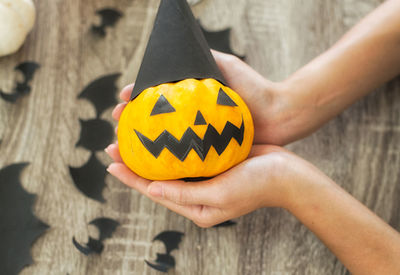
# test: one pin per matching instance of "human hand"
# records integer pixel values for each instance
(264, 98)
(282, 112)
(261, 181)
(280, 116)
(253, 184)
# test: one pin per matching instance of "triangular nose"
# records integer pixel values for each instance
(200, 119)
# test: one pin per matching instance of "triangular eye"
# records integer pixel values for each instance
(224, 99)
(162, 106)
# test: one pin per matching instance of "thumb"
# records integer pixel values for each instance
(183, 193)
(224, 61)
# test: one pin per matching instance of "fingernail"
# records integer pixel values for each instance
(155, 190)
(107, 149)
(109, 168)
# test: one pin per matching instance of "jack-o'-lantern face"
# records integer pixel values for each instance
(193, 128)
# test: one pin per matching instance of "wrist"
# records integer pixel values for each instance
(289, 181)
(306, 188)
(286, 115)
(298, 115)
(283, 176)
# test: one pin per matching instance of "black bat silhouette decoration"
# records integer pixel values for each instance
(220, 41)
(106, 227)
(101, 92)
(171, 240)
(96, 134)
(90, 178)
(109, 17)
(28, 70)
(19, 227)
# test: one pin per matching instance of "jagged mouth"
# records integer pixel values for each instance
(190, 140)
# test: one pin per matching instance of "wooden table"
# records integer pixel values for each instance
(360, 149)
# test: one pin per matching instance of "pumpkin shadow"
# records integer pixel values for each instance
(196, 179)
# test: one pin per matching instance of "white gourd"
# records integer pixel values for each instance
(17, 18)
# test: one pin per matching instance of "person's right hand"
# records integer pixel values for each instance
(264, 98)
(280, 116)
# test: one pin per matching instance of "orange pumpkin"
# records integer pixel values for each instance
(189, 129)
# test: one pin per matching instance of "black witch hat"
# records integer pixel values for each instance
(177, 49)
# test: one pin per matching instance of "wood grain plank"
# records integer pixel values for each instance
(359, 149)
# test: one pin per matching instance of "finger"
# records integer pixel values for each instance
(113, 151)
(122, 172)
(116, 113)
(221, 58)
(203, 216)
(184, 193)
(126, 176)
(216, 53)
(188, 211)
(125, 94)
(219, 55)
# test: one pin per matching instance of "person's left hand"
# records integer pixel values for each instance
(244, 188)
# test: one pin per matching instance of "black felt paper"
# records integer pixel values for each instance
(224, 99)
(177, 49)
(163, 262)
(171, 240)
(106, 227)
(101, 92)
(19, 227)
(28, 70)
(220, 41)
(162, 106)
(109, 17)
(190, 140)
(200, 120)
(96, 134)
(90, 178)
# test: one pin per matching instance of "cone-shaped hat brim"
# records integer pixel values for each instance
(177, 50)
